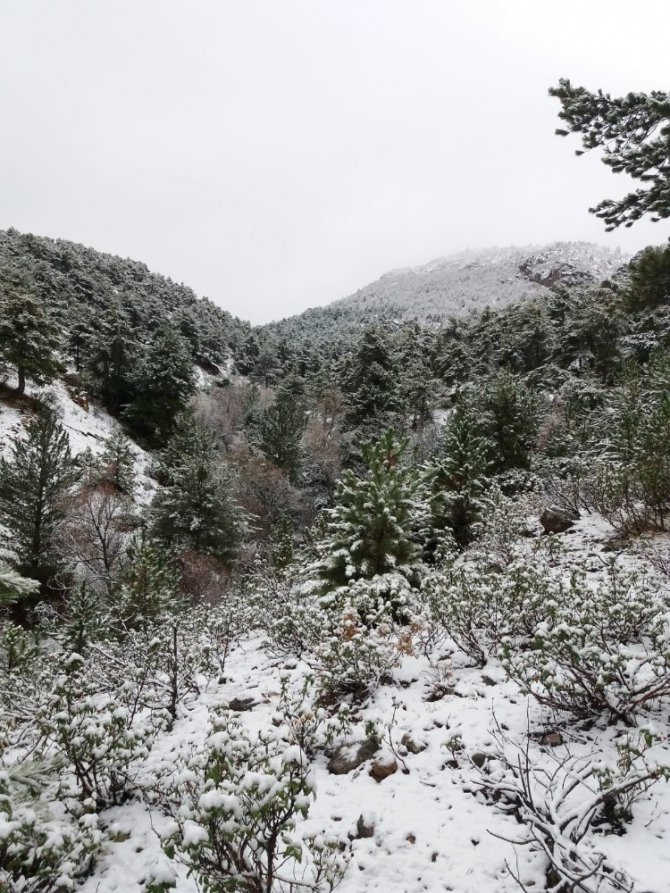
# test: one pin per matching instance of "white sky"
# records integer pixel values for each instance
(279, 154)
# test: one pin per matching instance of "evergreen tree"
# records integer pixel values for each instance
(649, 279)
(110, 360)
(150, 588)
(370, 381)
(510, 421)
(281, 428)
(13, 586)
(163, 385)
(117, 463)
(625, 129)
(455, 483)
(196, 508)
(368, 531)
(29, 338)
(34, 482)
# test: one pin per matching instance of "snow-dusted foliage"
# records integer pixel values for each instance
(598, 650)
(235, 805)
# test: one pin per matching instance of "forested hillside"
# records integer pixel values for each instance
(374, 601)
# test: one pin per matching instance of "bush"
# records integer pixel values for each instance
(601, 650)
(99, 738)
(365, 629)
(561, 801)
(235, 805)
(39, 853)
(478, 606)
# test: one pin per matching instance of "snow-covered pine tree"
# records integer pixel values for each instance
(13, 586)
(110, 359)
(282, 426)
(34, 482)
(29, 338)
(196, 508)
(370, 381)
(455, 483)
(164, 382)
(368, 531)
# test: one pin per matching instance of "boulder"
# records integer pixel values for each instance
(241, 705)
(349, 757)
(412, 745)
(383, 767)
(365, 826)
(555, 519)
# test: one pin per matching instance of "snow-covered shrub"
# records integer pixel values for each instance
(39, 852)
(235, 805)
(562, 801)
(97, 736)
(18, 649)
(307, 722)
(599, 650)
(366, 627)
(479, 606)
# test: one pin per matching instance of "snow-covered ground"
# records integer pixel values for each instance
(87, 424)
(432, 830)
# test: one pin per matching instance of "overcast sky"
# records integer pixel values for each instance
(279, 154)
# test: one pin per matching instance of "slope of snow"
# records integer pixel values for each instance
(461, 283)
(473, 280)
(88, 427)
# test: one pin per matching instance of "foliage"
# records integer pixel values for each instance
(368, 531)
(624, 128)
(195, 508)
(34, 482)
(599, 650)
(29, 338)
(235, 806)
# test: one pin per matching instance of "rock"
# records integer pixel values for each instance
(383, 767)
(365, 826)
(350, 757)
(551, 739)
(479, 758)
(555, 519)
(241, 705)
(411, 744)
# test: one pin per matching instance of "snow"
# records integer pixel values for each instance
(88, 427)
(432, 830)
(469, 281)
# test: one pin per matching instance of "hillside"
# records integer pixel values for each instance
(458, 285)
(83, 288)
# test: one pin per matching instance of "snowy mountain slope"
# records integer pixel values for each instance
(87, 424)
(457, 285)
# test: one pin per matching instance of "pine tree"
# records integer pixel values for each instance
(455, 483)
(117, 464)
(34, 482)
(368, 531)
(649, 279)
(13, 586)
(29, 338)
(509, 416)
(281, 428)
(150, 588)
(164, 383)
(196, 507)
(370, 382)
(625, 128)
(110, 360)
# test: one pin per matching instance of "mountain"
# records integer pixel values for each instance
(456, 285)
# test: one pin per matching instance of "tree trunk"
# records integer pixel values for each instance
(22, 382)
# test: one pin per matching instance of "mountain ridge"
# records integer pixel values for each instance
(468, 281)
